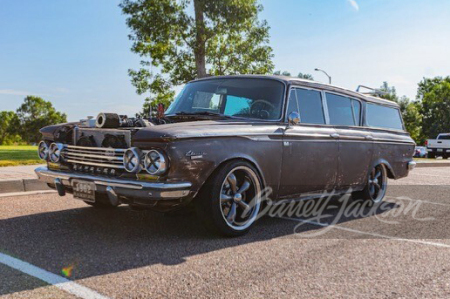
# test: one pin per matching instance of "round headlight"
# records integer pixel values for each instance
(132, 160)
(43, 150)
(155, 163)
(55, 152)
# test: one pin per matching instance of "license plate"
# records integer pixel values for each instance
(440, 150)
(84, 190)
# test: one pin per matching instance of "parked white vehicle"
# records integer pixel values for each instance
(439, 147)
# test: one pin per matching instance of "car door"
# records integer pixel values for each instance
(310, 148)
(355, 142)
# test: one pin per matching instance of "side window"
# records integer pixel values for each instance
(292, 103)
(342, 110)
(357, 111)
(308, 103)
(383, 117)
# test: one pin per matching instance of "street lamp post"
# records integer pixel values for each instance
(329, 77)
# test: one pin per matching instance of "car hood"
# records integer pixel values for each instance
(208, 128)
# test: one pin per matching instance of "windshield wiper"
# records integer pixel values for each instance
(206, 113)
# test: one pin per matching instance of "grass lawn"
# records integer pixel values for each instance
(18, 155)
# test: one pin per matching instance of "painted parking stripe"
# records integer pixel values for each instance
(367, 233)
(50, 278)
(424, 201)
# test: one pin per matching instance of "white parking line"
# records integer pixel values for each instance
(50, 278)
(424, 201)
(366, 233)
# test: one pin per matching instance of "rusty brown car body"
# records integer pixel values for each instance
(293, 137)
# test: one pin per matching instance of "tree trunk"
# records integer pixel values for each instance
(200, 44)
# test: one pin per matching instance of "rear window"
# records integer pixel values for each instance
(444, 137)
(383, 117)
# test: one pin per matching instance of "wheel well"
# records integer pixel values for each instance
(389, 171)
(263, 183)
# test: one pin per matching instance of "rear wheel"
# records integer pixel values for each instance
(376, 187)
(431, 155)
(229, 203)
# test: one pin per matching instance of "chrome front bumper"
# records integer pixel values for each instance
(139, 191)
(411, 165)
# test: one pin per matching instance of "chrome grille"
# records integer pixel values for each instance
(94, 156)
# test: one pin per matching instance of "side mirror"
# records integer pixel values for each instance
(294, 118)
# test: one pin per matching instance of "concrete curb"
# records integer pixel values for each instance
(433, 164)
(22, 185)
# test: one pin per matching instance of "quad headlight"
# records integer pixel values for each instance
(43, 150)
(55, 152)
(155, 162)
(132, 160)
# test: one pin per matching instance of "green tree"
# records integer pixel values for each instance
(34, 114)
(300, 75)
(427, 84)
(8, 127)
(284, 73)
(410, 112)
(305, 76)
(181, 40)
(435, 109)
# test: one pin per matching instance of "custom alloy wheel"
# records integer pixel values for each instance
(376, 185)
(238, 198)
(229, 201)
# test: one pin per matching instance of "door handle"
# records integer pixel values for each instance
(369, 137)
(334, 135)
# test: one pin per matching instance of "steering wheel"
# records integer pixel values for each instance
(261, 107)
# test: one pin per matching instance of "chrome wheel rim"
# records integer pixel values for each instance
(240, 200)
(377, 183)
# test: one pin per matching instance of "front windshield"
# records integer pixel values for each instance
(238, 97)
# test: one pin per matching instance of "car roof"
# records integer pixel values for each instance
(309, 84)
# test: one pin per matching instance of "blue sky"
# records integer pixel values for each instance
(76, 53)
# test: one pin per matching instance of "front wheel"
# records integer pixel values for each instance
(376, 185)
(230, 201)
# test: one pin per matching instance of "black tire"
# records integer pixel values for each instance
(101, 202)
(221, 195)
(376, 185)
(431, 155)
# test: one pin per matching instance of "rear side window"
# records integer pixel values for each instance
(383, 117)
(343, 111)
(308, 103)
(444, 137)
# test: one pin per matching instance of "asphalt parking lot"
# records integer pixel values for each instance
(401, 250)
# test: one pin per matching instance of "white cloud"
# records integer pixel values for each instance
(354, 4)
(14, 92)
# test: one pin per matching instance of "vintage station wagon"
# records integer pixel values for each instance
(224, 140)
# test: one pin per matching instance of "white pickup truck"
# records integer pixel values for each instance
(439, 147)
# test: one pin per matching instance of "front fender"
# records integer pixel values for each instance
(194, 160)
